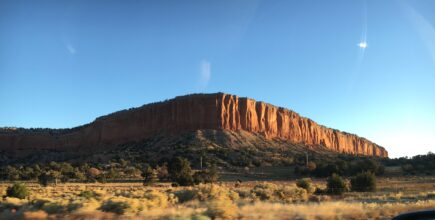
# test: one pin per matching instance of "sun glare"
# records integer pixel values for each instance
(362, 45)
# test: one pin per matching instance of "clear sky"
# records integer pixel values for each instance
(362, 66)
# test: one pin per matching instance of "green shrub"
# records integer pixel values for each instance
(49, 177)
(149, 175)
(117, 207)
(273, 192)
(336, 185)
(87, 194)
(306, 184)
(206, 192)
(185, 195)
(290, 194)
(180, 171)
(364, 182)
(264, 191)
(209, 175)
(54, 208)
(17, 190)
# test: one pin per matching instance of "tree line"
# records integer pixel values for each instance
(178, 171)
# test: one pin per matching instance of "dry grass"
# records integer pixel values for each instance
(251, 200)
(329, 210)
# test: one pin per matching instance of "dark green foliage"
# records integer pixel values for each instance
(79, 175)
(347, 167)
(336, 185)
(49, 177)
(115, 207)
(419, 164)
(10, 173)
(89, 194)
(28, 173)
(43, 179)
(180, 171)
(149, 175)
(17, 190)
(367, 166)
(162, 172)
(209, 175)
(364, 182)
(112, 173)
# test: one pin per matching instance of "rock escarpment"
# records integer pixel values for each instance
(190, 113)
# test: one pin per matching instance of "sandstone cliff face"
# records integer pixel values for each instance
(189, 113)
(247, 114)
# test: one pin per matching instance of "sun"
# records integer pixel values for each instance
(362, 45)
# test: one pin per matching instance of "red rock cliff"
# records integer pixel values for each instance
(188, 113)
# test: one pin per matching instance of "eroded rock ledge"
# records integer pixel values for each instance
(189, 113)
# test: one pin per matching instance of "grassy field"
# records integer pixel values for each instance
(227, 200)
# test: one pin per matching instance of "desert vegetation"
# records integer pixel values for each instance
(174, 189)
(249, 200)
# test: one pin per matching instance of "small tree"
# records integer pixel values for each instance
(12, 173)
(92, 174)
(363, 182)
(180, 171)
(79, 175)
(149, 175)
(17, 190)
(55, 176)
(209, 175)
(112, 173)
(43, 179)
(162, 172)
(51, 176)
(336, 185)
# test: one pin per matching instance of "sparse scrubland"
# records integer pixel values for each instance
(343, 189)
(228, 200)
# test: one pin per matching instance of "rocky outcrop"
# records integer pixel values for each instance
(189, 113)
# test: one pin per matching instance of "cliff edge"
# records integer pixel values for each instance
(189, 113)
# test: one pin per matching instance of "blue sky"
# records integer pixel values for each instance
(64, 63)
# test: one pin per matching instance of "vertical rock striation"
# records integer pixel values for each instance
(189, 113)
(247, 114)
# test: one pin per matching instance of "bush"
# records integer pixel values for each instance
(180, 171)
(117, 207)
(336, 185)
(49, 177)
(209, 175)
(156, 198)
(149, 175)
(55, 207)
(364, 182)
(87, 194)
(207, 192)
(275, 193)
(290, 194)
(306, 184)
(17, 190)
(162, 172)
(264, 191)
